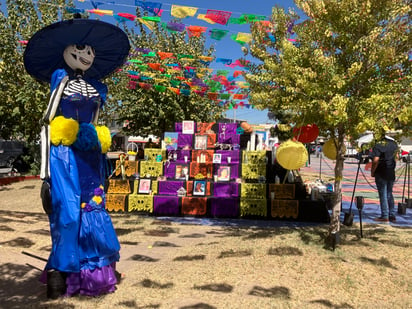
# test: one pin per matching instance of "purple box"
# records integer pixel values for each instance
(178, 155)
(227, 128)
(226, 189)
(169, 187)
(224, 207)
(170, 170)
(166, 205)
(226, 138)
(185, 140)
(233, 154)
(179, 127)
(234, 170)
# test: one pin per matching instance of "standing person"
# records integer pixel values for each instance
(383, 169)
(73, 55)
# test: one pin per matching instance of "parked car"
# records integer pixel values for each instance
(406, 149)
(9, 151)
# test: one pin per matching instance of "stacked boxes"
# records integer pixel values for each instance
(283, 204)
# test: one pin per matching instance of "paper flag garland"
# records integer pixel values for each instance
(220, 17)
(152, 7)
(218, 34)
(179, 11)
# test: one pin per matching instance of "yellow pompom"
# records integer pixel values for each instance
(103, 133)
(292, 155)
(97, 199)
(63, 131)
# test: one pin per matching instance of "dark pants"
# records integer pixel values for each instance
(386, 199)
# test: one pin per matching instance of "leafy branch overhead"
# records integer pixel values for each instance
(346, 67)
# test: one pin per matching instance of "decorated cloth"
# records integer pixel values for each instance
(227, 138)
(195, 206)
(226, 189)
(225, 154)
(234, 170)
(184, 141)
(285, 208)
(166, 205)
(170, 187)
(223, 207)
(227, 128)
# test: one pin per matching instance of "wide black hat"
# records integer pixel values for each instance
(44, 51)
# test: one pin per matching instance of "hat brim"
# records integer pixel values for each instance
(44, 51)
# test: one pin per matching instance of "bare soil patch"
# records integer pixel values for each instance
(238, 265)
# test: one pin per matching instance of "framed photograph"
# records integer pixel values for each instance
(201, 142)
(217, 158)
(223, 173)
(181, 171)
(188, 127)
(199, 187)
(145, 185)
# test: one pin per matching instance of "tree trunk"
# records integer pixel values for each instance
(335, 220)
(336, 210)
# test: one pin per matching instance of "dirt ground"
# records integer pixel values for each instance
(199, 263)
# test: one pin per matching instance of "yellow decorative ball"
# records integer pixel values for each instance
(103, 133)
(330, 150)
(292, 155)
(63, 131)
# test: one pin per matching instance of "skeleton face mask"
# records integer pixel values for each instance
(79, 57)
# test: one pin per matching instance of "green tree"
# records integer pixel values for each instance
(22, 99)
(155, 110)
(345, 67)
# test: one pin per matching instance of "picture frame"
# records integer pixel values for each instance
(181, 171)
(145, 186)
(217, 158)
(188, 127)
(201, 142)
(199, 187)
(223, 173)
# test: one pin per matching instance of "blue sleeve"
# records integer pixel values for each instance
(56, 78)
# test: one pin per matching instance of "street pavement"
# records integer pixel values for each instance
(365, 186)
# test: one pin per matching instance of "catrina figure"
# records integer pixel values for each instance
(73, 55)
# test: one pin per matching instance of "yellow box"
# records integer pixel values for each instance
(130, 168)
(253, 171)
(254, 207)
(254, 156)
(282, 191)
(154, 169)
(152, 153)
(116, 202)
(140, 202)
(136, 187)
(118, 186)
(253, 190)
(284, 208)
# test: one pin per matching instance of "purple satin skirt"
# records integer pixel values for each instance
(89, 282)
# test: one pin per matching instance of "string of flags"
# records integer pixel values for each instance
(178, 13)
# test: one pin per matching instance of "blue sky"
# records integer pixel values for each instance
(225, 48)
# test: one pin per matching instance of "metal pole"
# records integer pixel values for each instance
(354, 186)
(408, 165)
(320, 166)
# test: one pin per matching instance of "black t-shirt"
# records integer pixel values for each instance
(386, 151)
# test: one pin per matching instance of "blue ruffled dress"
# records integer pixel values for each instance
(84, 242)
